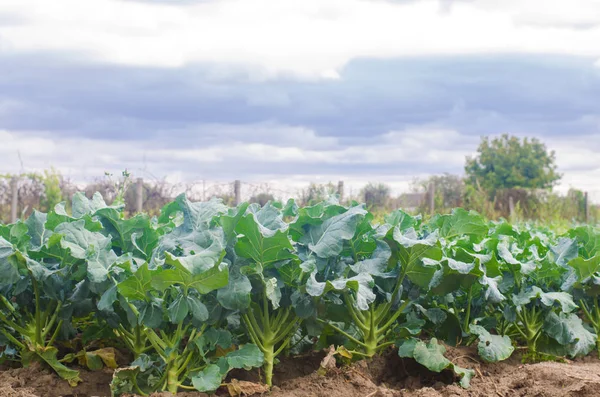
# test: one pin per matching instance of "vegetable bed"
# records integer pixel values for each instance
(385, 375)
(204, 294)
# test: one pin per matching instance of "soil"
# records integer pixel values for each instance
(385, 376)
(37, 381)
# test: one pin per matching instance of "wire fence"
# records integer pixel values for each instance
(19, 196)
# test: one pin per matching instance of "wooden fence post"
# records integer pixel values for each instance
(139, 195)
(340, 190)
(586, 207)
(511, 207)
(14, 188)
(237, 192)
(432, 198)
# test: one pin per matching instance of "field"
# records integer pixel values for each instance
(383, 376)
(318, 300)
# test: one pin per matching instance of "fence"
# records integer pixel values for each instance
(22, 195)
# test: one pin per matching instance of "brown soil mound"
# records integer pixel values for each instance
(36, 381)
(390, 376)
(386, 376)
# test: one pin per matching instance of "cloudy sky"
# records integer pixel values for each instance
(288, 91)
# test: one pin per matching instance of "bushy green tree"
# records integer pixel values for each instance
(375, 195)
(510, 162)
(262, 198)
(316, 193)
(449, 189)
(52, 189)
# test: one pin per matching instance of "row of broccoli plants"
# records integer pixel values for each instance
(204, 289)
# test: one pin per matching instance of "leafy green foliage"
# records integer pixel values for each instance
(509, 162)
(203, 289)
(375, 196)
(268, 282)
(492, 348)
(431, 356)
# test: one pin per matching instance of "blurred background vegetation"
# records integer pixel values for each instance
(509, 178)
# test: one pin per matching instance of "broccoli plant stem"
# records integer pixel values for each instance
(36, 332)
(468, 313)
(176, 359)
(529, 325)
(592, 315)
(42, 327)
(11, 324)
(374, 324)
(270, 331)
(135, 339)
(38, 312)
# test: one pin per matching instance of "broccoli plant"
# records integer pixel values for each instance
(163, 300)
(265, 289)
(580, 252)
(44, 287)
(364, 272)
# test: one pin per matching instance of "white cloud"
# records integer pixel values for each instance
(574, 14)
(269, 133)
(313, 38)
(238, 148)
(579, 162)
(7, 106)
(410, 152)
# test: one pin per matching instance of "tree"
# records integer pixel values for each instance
(508, 162)
(449, 189)
(316, 193)
(52, 189)
(375, 195)
(262, 198)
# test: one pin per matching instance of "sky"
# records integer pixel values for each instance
(286, 92)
